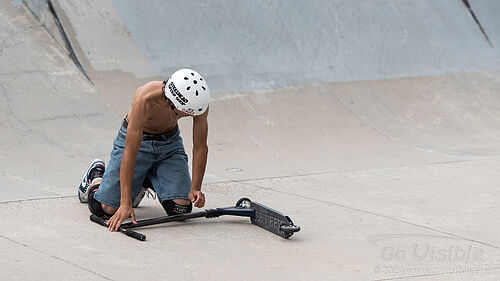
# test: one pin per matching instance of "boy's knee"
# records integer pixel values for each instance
(108, 209)
(97, 208)
(181, 201)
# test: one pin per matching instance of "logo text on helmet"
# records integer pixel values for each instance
(178, 96)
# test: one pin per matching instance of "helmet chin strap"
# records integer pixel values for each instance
(173, 119)
(172, 108)
(171, 104)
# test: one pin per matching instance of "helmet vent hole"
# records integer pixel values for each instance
(200, 109)
(192, 74)
(201, 79)
(203, 88)
(196, 92)
(189, 87)
(185, 78)
(194, 81)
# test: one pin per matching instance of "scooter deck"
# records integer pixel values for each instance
(270, 219)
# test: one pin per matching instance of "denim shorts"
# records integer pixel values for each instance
(164, 161)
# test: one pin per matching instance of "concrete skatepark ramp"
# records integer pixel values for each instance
(374, 124)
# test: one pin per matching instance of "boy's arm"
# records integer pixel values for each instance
(137, 117)
(200, 152)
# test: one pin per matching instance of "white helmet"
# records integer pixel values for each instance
(188, 91)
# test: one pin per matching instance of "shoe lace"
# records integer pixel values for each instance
(150, 192)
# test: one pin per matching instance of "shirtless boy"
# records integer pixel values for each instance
(149, 153)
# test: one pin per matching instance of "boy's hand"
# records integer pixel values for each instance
(124, 212)
(197, 197)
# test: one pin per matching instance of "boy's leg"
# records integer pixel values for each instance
(109, 191)
(96, 207)
(146, 188)
(172, 182)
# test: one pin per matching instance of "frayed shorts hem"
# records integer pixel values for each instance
(105, 202)
(173, 197)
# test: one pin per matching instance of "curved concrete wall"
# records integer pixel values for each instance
(252, 45)
(279, 107)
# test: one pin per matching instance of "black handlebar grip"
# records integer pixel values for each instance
(98, 220)
(133, 234)
(128, 232)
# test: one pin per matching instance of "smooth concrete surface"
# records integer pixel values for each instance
(373, 124)
(353, 224)
(50, 114)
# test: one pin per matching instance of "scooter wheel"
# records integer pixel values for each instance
(243, 203)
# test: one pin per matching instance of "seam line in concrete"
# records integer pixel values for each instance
(406, 222)
(243, 181)
(281, 177)
(54, 257)
(16, 73)
(16, 33)
(378, 215)
(363, 121)
(37, 199)
(442, 163)
(67, 116)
